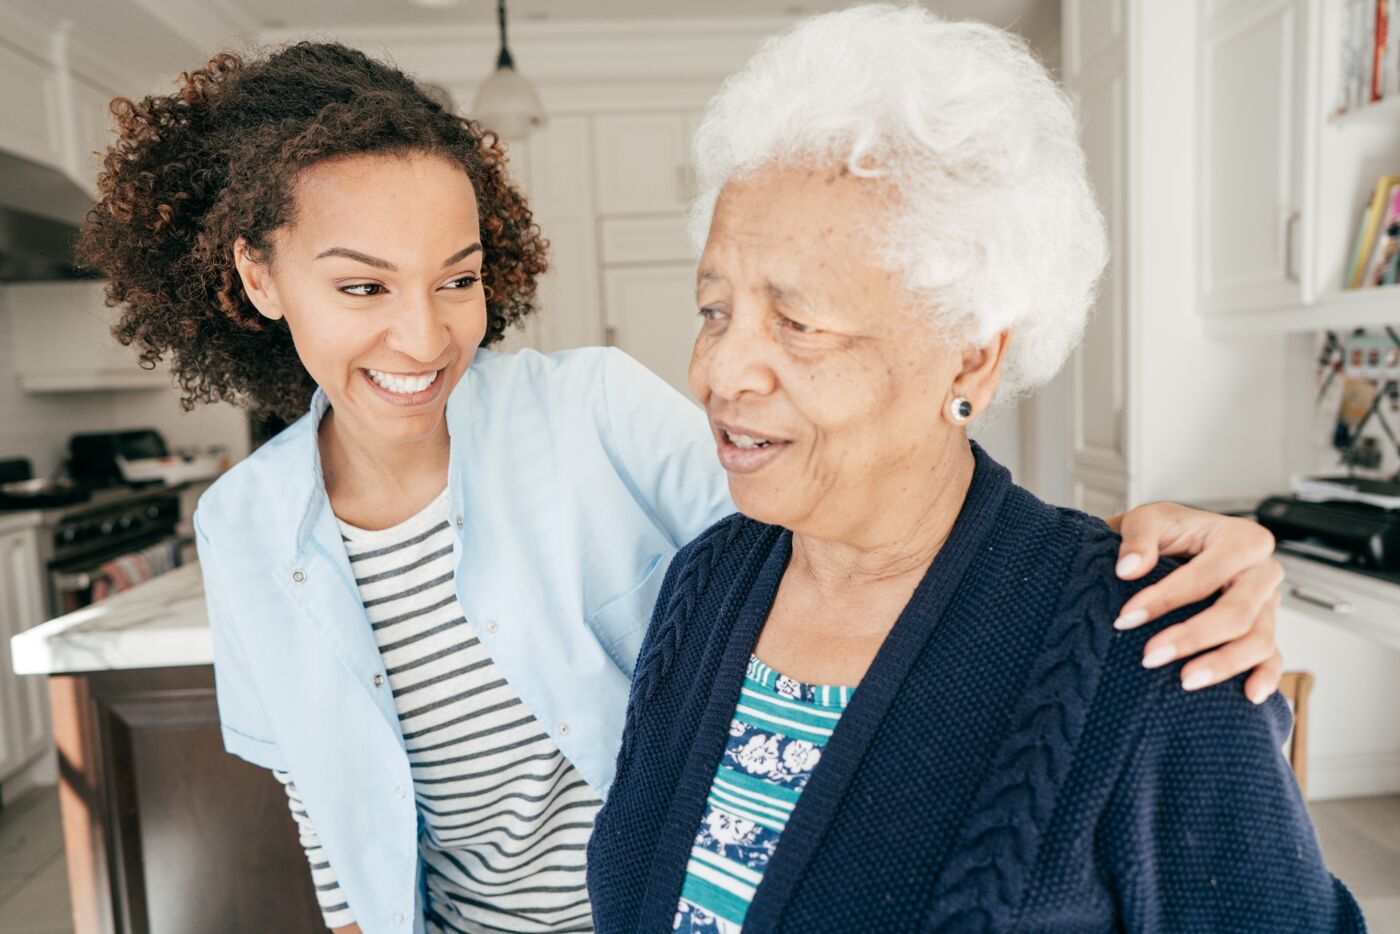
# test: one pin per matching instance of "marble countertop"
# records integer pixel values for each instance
(159, 624)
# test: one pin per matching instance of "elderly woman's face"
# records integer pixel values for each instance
(825, 389)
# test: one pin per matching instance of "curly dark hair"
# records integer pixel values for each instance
(191, 172)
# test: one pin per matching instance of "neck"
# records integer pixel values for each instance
(353, 460)
(898, 542)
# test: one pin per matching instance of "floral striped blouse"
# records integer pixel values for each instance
(776, 737)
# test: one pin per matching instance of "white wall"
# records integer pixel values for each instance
(38, 426)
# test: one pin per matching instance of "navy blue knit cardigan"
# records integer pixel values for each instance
(1006, 764)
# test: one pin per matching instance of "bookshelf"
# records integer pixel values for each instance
(1336, 310)
(1386, 110)
(1283, 185)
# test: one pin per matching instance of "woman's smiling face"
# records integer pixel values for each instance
(379, 278)
(824, 386)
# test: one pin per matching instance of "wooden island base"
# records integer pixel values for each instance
(164, 831)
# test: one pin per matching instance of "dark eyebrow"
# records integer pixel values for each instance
(461, 254)
(358, 257)
(378, 263)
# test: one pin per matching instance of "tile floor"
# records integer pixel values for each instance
(1361, 838)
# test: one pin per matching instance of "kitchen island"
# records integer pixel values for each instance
(163, 830)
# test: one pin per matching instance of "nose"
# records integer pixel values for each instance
(734, 362)
(419, 330)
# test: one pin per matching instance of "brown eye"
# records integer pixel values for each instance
(466, 282)
(351, 289)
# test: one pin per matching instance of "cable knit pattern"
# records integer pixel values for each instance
(986, 878)
(677, 597)
(1006, 763)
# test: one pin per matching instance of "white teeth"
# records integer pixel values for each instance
(746, 442)
(403, 385)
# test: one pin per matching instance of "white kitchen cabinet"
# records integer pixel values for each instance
(1157, 406)
(559, 183)
(92, 130)
(642, 163)
(1097, 368)
(1354, 735)
(29, 107)
(23, 709)
(651, 315)
(1254, 219)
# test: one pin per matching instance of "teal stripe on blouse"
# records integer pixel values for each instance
(776, 736)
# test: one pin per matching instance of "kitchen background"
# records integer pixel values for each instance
(1242, 151)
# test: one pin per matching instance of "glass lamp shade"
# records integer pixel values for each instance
(508, 105)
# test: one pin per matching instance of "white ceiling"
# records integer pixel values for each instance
(313, 14)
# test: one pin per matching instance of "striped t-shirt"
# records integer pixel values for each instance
(776, 737)
(506, 817)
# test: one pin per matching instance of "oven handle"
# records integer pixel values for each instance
(77, 581)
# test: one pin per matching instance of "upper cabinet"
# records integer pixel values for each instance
(1254, 217)
(642, 163)
(29, 107)
(1283, 175)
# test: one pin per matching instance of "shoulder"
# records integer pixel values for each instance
(269, 482)
(576, 374)
(716, 553)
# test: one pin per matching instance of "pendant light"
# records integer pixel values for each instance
(507, 103)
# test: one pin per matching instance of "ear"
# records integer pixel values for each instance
(257, 280)
(981, 371)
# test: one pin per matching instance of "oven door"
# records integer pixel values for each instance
(82, 582)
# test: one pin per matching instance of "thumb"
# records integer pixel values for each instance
(1141, 530)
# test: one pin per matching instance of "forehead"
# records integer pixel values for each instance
(426, 193)
(781, 222)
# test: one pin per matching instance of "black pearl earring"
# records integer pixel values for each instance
(960, 409)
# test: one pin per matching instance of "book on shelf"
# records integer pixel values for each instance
(1370, 251)
(1370, 53)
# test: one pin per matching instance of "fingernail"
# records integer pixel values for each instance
(1197, 680)
(1159, 656)
(1128, 564)
(1258, 696)
(1130, 620)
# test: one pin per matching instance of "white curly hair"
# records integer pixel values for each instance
(995, 225)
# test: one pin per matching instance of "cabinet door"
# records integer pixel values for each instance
(1098, 69)
(561, 197)
(651, 315)
(28, 108)
(1101, 496)
(1253, 219)
(641, 163)
(24, 719)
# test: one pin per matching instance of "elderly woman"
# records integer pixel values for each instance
(888, 696)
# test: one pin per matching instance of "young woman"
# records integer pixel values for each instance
(427, 595)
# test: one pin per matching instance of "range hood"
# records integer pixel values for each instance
(40, 210)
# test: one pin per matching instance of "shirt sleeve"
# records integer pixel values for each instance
(242, 719)
(663, 442)
(335, 911)
(1207, 830)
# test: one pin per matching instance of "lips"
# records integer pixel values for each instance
(404, 389)
(745, 450)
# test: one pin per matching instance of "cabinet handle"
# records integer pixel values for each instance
(1288, 269)
(1335, 606)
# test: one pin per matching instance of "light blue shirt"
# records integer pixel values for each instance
(574, 479)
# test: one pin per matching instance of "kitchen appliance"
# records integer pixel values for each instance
(94, 460)
(77, 541)
(19, 489)
(1342, 531)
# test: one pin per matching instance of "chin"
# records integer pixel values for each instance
(761, 501)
